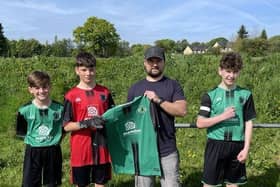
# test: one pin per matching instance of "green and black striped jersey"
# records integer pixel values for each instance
(214, 103)
(131, 138)
(40, 127)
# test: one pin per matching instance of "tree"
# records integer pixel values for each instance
(123, 49)
(221, 40)
(166, 44)
(263, 35)
(181, 45)
(137, 49)
(196, 44)
(12, 48)
(255, 47)
(61, 48)
(274, 43)
(215, 50)
(3, 43)
(237, 45)
(97, 36)
(25, 48)
(242, 33)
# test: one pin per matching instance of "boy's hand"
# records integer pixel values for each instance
(242, 156)
(96, 122)
(229, 112)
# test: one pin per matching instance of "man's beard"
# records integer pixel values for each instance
(154, 75)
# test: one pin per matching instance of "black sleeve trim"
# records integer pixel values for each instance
(111, 101)
(21, 125)
(205, 106)
(67, 112)
(249, 109)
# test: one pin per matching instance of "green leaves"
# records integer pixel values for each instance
(97, 36)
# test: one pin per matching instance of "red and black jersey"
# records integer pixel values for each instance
(87, 146)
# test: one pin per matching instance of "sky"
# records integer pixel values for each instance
(143, 21)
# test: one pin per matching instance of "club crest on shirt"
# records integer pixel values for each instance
(103, 97)
(92, 111)
(141, 109)
(56, 116)
(241, 100)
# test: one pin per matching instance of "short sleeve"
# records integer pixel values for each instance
(21, 125)
(205, 106)
(249, 109)
(67, 112)
(130, 96)
(178, 92)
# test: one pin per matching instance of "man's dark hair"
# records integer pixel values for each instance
(85, 59)
(231, 61)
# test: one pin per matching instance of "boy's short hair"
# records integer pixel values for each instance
(38, 79)
(231, 61)
(85, 59)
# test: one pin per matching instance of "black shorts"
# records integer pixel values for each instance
(221, 164)
(42, 163)
(99, 174)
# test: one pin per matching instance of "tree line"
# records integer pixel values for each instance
(100, 37)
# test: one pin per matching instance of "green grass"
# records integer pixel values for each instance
(196, 74)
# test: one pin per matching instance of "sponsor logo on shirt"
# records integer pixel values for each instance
(92, 111)
(130, 128)
(130, 125)
(218, 99)
(43, 133)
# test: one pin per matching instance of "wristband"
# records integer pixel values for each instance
(159, 101)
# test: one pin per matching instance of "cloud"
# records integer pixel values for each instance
(142, 21)
(43, 6)
(273, 6)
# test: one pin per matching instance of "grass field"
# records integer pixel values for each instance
(196, 74)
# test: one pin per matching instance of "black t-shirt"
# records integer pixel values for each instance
(171, 91)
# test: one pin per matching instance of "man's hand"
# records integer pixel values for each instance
(153, 97)
(96, 122)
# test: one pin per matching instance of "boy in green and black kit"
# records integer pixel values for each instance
(40, 123)
(227, 112)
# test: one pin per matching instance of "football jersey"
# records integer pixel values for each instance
(216, 101)
(81, 104)
(131, 138)
(40, 127)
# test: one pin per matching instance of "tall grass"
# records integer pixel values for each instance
(197, 74)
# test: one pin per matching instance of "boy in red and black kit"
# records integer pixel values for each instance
(83, 106)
